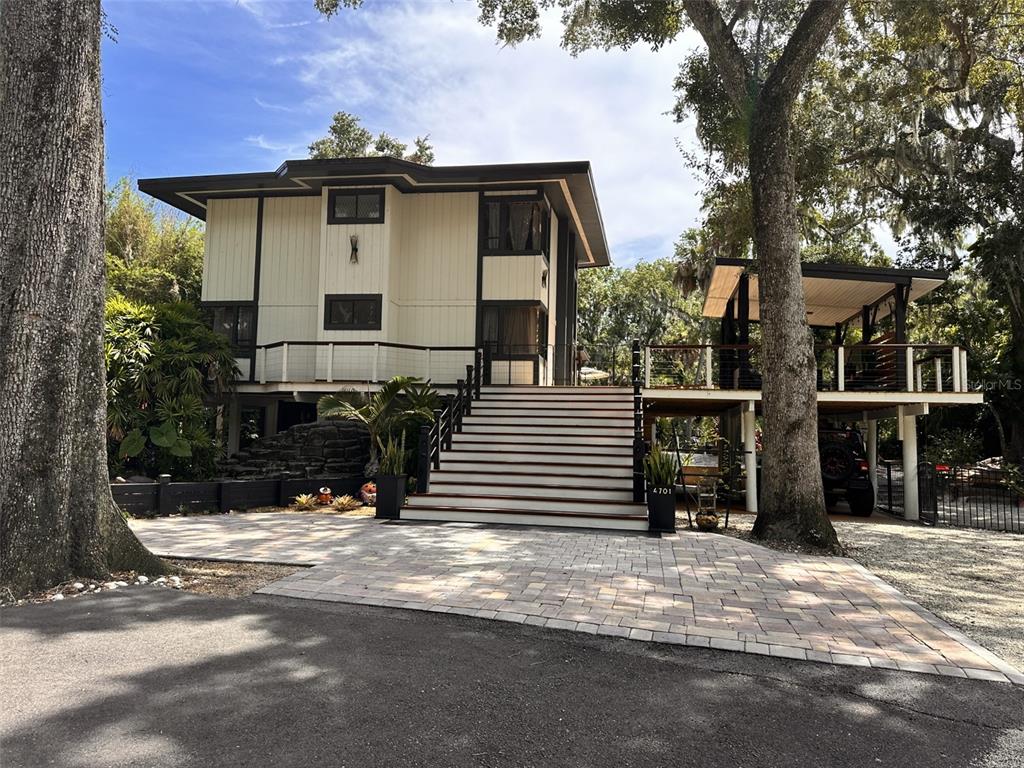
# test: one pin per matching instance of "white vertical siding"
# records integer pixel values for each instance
(369, 275)
(289, 269)
(230, 256)
(434, 268)
(514, 277)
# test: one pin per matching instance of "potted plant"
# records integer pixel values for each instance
(391, 479)
(660, 470)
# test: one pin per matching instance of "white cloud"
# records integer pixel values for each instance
(278, 149)
(432, 68)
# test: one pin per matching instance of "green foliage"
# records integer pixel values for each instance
(305, 501)
(660, 468)
(394, 458)
(152, 257)
(616, 305)
(401, 404)
(346, 137)
(165, 366)
(957, 447)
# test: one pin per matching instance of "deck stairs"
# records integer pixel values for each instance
(557, 456)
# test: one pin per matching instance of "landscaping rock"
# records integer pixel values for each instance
(319, 449)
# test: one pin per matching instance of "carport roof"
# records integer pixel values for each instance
(834, 293)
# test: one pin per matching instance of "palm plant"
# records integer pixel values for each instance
(401, 403)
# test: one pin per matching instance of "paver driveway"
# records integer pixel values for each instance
(689, 588)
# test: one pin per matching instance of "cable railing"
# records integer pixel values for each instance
(840, 368)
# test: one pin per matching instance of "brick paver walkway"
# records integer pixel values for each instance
(688, 589)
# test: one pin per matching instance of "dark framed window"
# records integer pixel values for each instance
(347, 206)
(514, 328)
(235, 322)
(352, 311)
(514, 226)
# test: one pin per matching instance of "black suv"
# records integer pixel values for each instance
(844, 469)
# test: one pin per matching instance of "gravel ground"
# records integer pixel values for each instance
(972, 579)
(211, 577)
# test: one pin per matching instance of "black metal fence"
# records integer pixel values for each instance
(956, 496)
(166, 498)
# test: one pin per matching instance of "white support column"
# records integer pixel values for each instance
(429, 361)
(911, 507)
(330, 363)
(910, 369)
(750, 454)
(963, 370)
(938, 373)
(841, 366)
(234, 425)
(654, 432)
(957, 387)
(872, 446)
(284, 361)
(708, 377)
(376, 361)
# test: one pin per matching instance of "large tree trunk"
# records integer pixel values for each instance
(57, 517)
(792, 503)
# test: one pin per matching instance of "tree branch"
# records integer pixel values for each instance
(813, 29)
(723, 50)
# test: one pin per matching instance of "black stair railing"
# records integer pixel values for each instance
(437, 436)
(639, 448)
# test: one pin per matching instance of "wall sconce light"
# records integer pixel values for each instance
(354, 257)
(544, 279)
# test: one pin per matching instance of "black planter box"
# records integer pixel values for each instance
(390, 496)
(661, 510)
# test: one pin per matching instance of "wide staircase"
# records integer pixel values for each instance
(560, 456)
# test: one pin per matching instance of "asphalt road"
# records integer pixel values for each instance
(151, 677)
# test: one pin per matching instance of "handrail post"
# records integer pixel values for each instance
(436, 434)
(647, 366)
(963, 370)
(330, 362)
(841, 367)
(423, 461)
(467, 405)
(910, 368)
(638, 427)
(487, 364)
(478, 360)
(449, 422)
(284, 361)
(957, 384)
(459, 404)
(709, 375)
(376, 360)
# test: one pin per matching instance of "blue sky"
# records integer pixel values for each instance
(240, 85)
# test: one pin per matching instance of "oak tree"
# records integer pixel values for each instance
(57, 517)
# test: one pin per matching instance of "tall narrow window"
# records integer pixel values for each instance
(514, 329)
(235, 322)
(515, 226)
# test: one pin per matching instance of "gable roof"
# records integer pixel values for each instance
(569, 186)
(833, 293)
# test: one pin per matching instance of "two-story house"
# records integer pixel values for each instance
(343, 273)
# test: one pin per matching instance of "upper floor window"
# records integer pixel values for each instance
(346, 206)
(515, 226)
(352, 312)
(235, 323)
(514, 328)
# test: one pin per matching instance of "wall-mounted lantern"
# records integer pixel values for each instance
(354, 257)
(544, 279)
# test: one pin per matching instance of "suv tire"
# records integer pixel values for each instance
(862, 503)
(837, 463)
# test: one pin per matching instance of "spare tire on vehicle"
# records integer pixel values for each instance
(837, 462)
